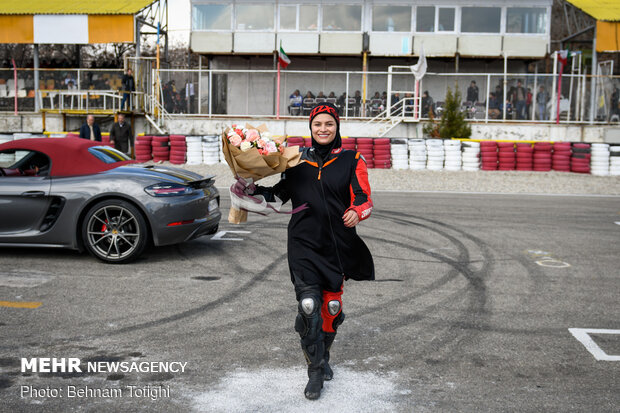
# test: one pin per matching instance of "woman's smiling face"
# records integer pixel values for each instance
(324, 128)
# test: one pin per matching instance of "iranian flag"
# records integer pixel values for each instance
(283, 58)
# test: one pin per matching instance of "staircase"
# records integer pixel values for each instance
(386, 120)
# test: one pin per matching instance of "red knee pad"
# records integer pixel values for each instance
(328, 317)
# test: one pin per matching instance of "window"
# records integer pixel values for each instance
(526, 20)
(481, 19)
(308, 17)
(108, 155)
(342, 18)
(288, 17)
(211, 17)
(255, 16)
(446, 19)
(425, 19)
(305, 20)
(23, 163)
(391, 18)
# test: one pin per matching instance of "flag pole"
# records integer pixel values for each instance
(278, 93)
(557, 118)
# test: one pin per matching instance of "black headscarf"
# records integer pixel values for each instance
(325, 150)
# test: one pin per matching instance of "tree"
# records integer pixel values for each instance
(452, 123)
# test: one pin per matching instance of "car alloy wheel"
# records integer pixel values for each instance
(115, 231)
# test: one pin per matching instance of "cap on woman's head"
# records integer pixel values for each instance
(327, 108)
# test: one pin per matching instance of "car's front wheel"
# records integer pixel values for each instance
(114, 231)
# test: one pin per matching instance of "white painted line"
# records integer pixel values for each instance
(413, 191)
(583, 335)
(220, 235)
(22, 279)
(617, 222)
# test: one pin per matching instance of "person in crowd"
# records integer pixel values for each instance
(128, 85)
(68, 78)
(528, 103)
(90, 130)
(342, 101)
(428, 105)
(517, 99)
(331, 95)
(295, 102)
(494, 111)
(121, 135)
(396, 108)
(190, 97)
(542, 97)
(321, 95)
(614, 110)
(324, 249)
(472, 93)
(409, 104)
(309, 95)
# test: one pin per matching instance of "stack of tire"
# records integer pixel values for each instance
(161, 148)
(211, 149)
(308, 142)
(144, 148)
(299, 141)
(178, 148)
(599, 161)
(382, 153)
(471, 156)
(489, 155)
(7, 158)
(454, 160)
(366, 146)
(561, 156)
(400, 154)
(417, 154)
(506, 156)
(580, 160)
(542, 156)
(614, 160)
(435, 154)
(525, 156)
(194, 150)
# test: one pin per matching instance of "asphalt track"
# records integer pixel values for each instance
(471, 311)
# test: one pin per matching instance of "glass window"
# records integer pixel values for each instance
(107, 154)
(391, 18)
(211, 17)
(425, 19)
(308, 17)
(342, 17)
(446, 19)
(288, 17)
(254, 16)
(526, 20)
(480, 19)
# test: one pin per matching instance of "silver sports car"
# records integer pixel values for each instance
(74, 193)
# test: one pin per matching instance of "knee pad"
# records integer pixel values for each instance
(308, 321)
(331, 311)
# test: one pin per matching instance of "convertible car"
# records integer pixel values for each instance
(74, 193)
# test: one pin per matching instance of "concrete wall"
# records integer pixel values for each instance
(299, 127)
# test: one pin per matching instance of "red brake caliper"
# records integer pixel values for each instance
(104, 226)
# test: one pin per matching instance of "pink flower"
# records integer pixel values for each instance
(235, 140)
(271, 147)
(252, 135)
(261, 143)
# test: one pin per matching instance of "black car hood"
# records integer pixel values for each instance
(160, 173)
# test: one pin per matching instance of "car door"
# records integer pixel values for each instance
(24, 200)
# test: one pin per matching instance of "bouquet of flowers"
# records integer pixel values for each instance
(252, 154)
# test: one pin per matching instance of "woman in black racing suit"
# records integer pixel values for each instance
(323, 246)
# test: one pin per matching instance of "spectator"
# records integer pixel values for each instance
(121, 136)
(90, 130)
(129, 85)
(68, 79)
(310, 95)
(396, 108)
(542, 97)
(528, 103)
(321, 95)
(428, 105)
(332, 95)
(517, 98)
(71, 85)
(190, 97)
(295, 102)
(494, 111)
(358, 103)
(472, 93)
(409, 104)
(614, 110)
(342, 101)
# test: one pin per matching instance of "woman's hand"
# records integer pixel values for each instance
(350, 218)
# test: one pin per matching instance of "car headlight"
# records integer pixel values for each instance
(168, 190)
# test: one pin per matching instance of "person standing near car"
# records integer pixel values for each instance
(121, 135)
(90, 130)
(324, 249)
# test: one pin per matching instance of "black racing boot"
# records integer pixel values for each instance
(328, 373)
(314, 356)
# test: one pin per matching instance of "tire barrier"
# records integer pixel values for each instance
(178, 149)
(542, 156)
(365, 146)
(580, 160)
(489, 155)
(506, 156)
(194, 150)
(435, 154)
(161, 148)
(382, 152)
(599, 161)
(143, 148)
(562, 152)
(399, 151)
(211, 149)
(614, 160)
(417, 154)
(454, 157)
(471, 156)
(524, 157)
